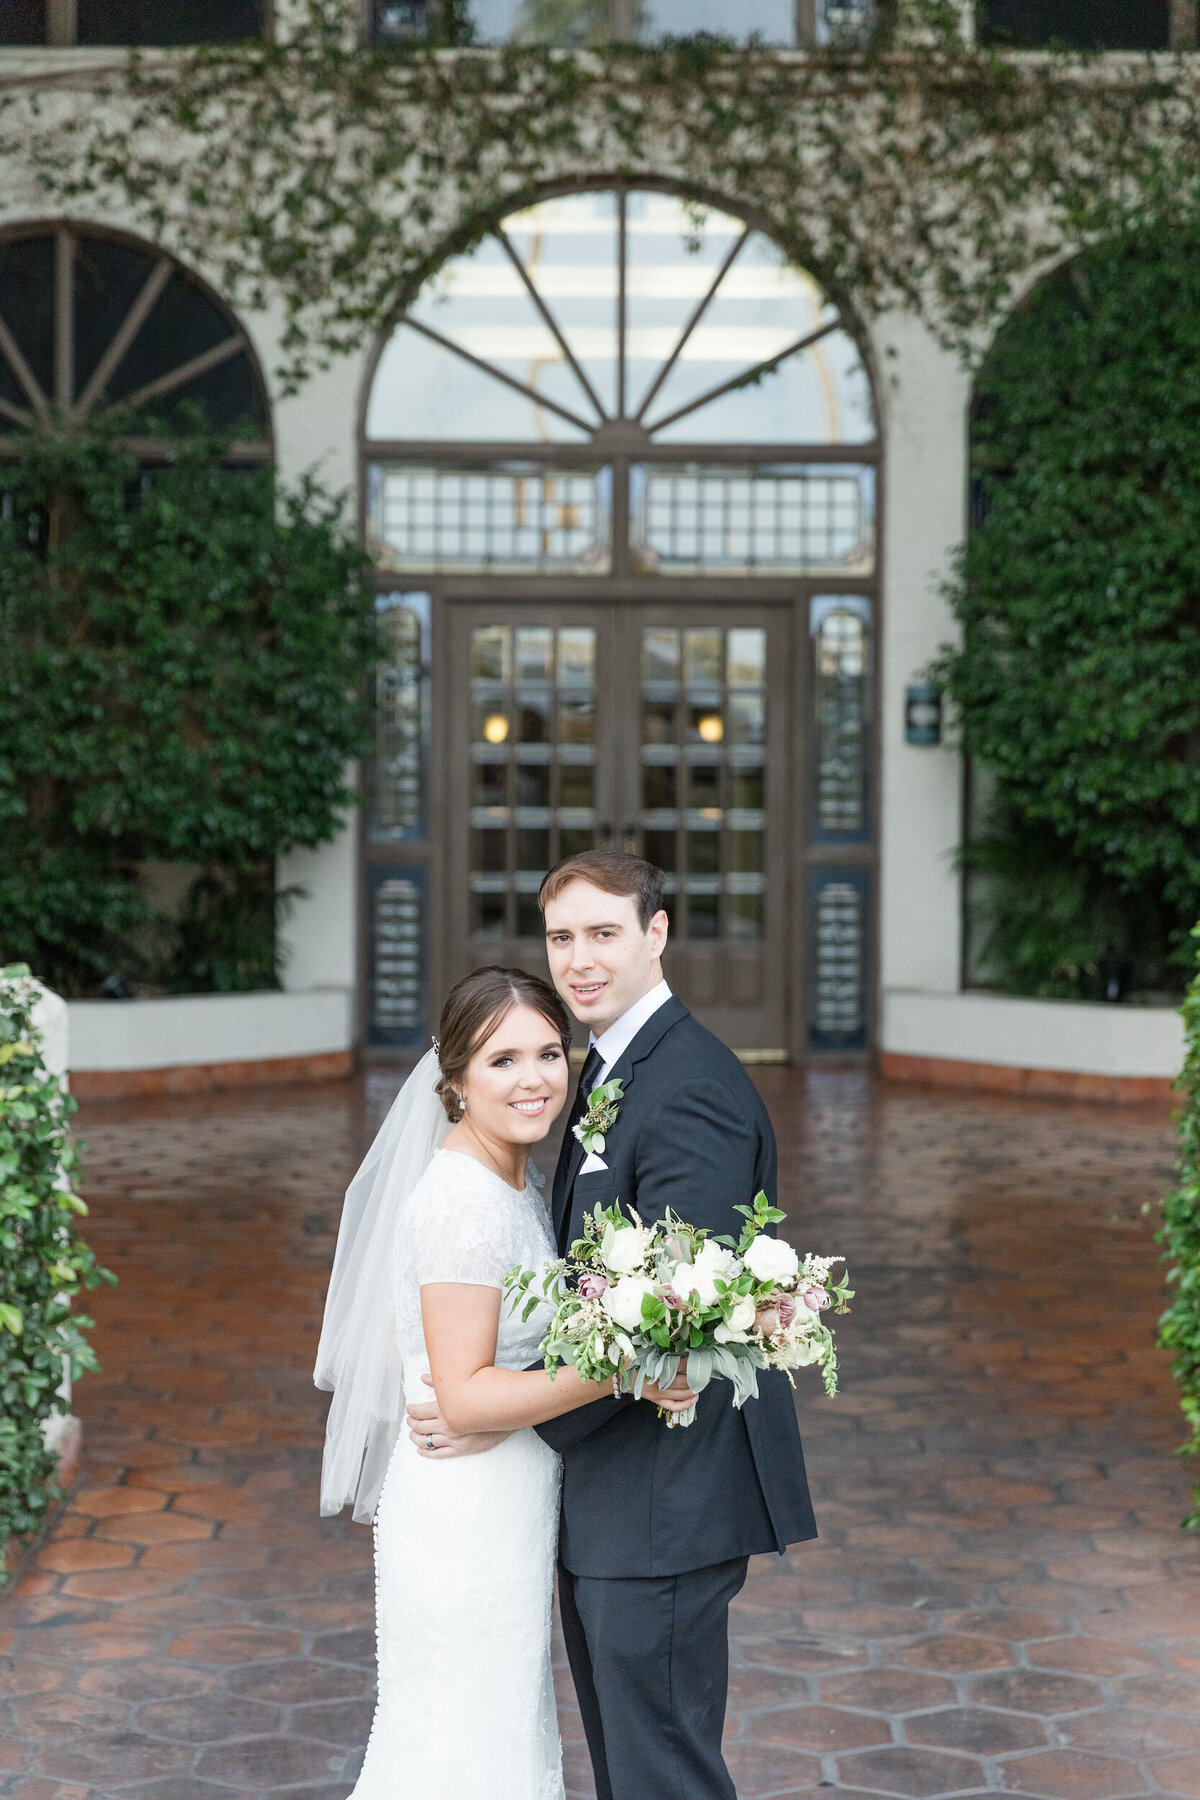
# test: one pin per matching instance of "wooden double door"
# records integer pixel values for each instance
(659, 729)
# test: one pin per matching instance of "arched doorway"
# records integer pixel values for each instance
(619, 480)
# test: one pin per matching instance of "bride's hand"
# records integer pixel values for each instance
(675, 1398)
(425, 1422)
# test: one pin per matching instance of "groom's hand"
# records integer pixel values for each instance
(675, 1398)
(425, 1422)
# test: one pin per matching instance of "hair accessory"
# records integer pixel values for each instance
(436, 1045)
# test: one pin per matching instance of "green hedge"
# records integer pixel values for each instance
(1077, 677)
(184, 654)
(1180, 1325)
(43, 1262)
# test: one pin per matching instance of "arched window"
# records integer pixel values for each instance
(96, 327)
(619, 473)
(614, 381)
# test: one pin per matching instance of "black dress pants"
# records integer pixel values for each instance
(650, 1658)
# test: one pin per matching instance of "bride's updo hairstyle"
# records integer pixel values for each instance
(473, 1010)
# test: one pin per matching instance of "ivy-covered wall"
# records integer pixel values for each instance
(1077, 679)
(184, 662)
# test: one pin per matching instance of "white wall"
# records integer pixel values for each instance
(924, 394)
(184, 1030)
(320, 933)
(1035, 1034)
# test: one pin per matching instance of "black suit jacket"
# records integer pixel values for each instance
(638, 1499)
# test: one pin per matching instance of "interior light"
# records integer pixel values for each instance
(711, 728)
(495, 728)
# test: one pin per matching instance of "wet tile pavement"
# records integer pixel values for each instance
(1000, 1599)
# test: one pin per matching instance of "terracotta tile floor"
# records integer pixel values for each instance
(1000, 1598)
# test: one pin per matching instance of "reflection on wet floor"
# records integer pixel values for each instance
(1000, 1598)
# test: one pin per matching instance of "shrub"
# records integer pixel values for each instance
(183, 658)
(1179, 1330)
(43, 1263)
(1077, 679)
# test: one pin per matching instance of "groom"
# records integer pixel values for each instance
(657, 1524)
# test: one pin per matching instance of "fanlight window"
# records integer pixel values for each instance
(622, 361)
(93, 326)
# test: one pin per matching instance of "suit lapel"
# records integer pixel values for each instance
(571, 1156)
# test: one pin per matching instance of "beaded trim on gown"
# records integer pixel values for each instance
(464, 1549)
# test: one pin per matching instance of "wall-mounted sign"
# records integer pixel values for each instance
(922, 714)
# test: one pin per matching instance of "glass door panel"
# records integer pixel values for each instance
(711, 716)
(531, 713)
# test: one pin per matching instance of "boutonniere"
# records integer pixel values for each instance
(600, 1117)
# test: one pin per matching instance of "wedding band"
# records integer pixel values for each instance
(429, 1443)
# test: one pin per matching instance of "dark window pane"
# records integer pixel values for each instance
(23, 22)
(27, 307)
(489, 851)
(487, 915)
(574, 843)
(1084, 24)
(490, 785)
(168, 21)
(660, 850)
(575, 784)
(184, 324)
(533, 784)
(658, 786)
(530, 923)
(703, 915)
(108, 279)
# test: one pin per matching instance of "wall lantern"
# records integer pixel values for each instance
(922, 714)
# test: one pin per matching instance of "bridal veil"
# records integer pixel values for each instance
(358, 1357)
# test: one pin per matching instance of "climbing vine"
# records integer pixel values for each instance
(1179, 1328)
(919, 172)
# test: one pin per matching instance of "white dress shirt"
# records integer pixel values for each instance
(616, 1038)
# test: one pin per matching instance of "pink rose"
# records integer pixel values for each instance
(592, 1285)
(769, 1319)
(815, 1298)
(672, 1299)
(787, 1309)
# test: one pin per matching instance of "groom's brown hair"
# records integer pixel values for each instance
(613, 872)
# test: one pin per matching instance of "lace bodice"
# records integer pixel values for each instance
(463, 1223)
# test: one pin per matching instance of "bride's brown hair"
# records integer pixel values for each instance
(473, 1009)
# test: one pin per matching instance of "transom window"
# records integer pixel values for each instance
(622, 381)
(96, 327)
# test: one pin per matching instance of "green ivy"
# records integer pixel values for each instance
(916, 171)
(1077, 678)
(182, 680)
(1180, 1325)
(43, 1262)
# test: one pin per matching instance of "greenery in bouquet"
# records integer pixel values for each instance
(631, 1301)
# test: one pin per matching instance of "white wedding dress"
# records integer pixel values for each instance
(465, 1547)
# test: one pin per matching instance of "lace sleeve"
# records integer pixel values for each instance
(458, 1231)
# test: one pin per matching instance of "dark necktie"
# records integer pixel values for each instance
(589, 1075)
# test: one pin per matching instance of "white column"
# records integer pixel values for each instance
(320, 934)
(317, 430)
(925, 395)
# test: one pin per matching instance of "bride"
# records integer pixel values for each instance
(465, 1546)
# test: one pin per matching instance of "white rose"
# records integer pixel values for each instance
(700, 1277)
(627, 1251)
(743, 1315)
(770, 1259)
(623, 1300)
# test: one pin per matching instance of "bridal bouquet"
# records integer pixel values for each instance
(631, 1301)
